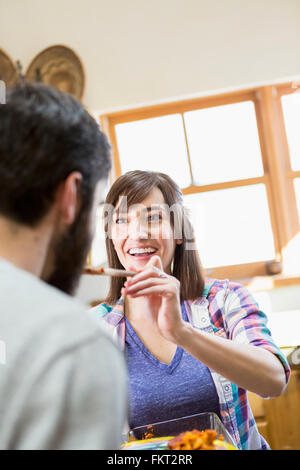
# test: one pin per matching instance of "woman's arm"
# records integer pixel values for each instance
(251, 367)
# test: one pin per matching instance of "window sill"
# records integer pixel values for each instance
(262, 283)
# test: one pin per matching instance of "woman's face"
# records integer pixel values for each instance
(143, 230)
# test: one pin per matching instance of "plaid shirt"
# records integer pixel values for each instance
(228, 310)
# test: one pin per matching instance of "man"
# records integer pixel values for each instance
(63, 381)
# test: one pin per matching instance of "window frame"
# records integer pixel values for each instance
(277, 178)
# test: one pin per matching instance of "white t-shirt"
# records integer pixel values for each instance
(63, 381)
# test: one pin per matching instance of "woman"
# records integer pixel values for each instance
(191, 345)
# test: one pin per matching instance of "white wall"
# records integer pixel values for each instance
(143, 51)
(92, 288)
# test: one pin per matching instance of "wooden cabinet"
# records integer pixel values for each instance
(278, 419)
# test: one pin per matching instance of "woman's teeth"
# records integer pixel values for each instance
(141, 251)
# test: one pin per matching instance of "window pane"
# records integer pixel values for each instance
(232, 226)
(291, 113)
(297, 191)
(156, 144)
(224, 143)
(98, 249)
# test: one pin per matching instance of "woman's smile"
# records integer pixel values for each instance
(142, 252)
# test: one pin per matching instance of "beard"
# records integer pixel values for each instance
(70, 254)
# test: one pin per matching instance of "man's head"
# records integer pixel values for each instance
(50, 147)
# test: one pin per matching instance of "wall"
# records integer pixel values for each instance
(144, 51)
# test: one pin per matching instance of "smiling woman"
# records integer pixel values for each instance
(144, 210)
(192, 345)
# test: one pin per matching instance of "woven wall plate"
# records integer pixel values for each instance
(59, 67)
(8, 70)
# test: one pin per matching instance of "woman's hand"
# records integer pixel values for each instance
(162, 294)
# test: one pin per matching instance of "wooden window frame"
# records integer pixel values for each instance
(277, 176)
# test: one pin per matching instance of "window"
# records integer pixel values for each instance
(226, 222)
(291, 114)
(98, 249)
(223, 143)
(159, 140)
(236, 158)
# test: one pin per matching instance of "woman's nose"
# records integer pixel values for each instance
(137, 231)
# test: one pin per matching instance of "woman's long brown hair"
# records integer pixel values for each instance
(137, 185)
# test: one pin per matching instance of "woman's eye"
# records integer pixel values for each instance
(121, 220)
(154, 217)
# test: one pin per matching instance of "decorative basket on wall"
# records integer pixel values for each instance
(59, 67)
(8, 70)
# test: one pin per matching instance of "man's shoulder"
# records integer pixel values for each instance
(41, 314)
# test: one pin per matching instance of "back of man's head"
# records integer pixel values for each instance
(44, 136)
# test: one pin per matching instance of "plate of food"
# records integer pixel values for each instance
(203, 431)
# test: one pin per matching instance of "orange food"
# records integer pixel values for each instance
(149, 433)
(195, 440)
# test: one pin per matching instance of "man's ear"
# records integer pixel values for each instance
(68, 198)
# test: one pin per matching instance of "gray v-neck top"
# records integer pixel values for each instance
(159, 391)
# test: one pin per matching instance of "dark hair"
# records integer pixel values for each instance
(46, 134)
(137, 185)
